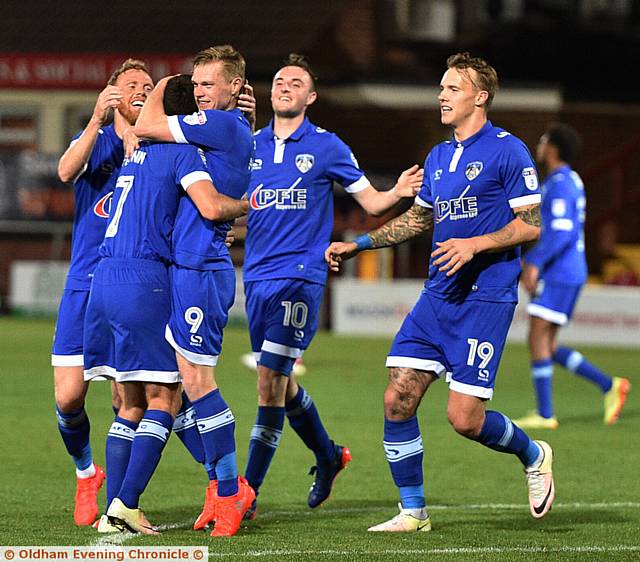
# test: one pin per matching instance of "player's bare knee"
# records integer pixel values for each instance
(272, 387)
(67, 402)
(465, 424)
(404, 392)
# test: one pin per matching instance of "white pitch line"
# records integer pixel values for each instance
(459, 550)
(117, 539)
(451, 507)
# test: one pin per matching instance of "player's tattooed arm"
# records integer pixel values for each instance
(452, 254)
(416, 220)
(529, 215)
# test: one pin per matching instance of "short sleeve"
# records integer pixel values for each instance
(209, 129)
(191, 166)
(344, 168)
(520, 178)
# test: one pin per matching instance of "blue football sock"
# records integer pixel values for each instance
(542, 375)
(148, 443)
(216, 425)
(227, 471)
(186, 430)
(575, 362)
(305, 421)
(264, 440)
(74, 428)
(501, 434)
(118, 451)
(211, 471)
(404, 452)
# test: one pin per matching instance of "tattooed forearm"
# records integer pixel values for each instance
(504, 236)
(530, 215)
(409, 224)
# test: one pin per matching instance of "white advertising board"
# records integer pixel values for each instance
(604, 315)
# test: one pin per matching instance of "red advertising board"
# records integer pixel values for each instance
(78, 72)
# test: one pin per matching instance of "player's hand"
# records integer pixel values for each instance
(338, 252)
(231, 238)
(529, 278)
(452, 254)
(247, 104)
(409, 182)
(107, 100)
(130, 141)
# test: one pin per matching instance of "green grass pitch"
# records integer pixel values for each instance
(477, 497)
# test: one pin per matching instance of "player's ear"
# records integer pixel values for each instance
(236, 85)
(481, 98)
(311, 97)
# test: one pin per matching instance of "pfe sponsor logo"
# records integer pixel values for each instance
(282, 199)
(456, 209)
(102, 207)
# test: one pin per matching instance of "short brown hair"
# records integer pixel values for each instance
(487, 77)
(233, 62)
(296, 59)
(129, 64)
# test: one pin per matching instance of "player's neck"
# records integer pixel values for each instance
(284, 127)
(469, 127)
(554, 165)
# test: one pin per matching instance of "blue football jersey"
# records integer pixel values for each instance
(146, 199)
(560, 251)
(225, 137)
(93, 191)
(473, 187)
(291, 202)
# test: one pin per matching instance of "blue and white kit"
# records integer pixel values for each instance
(289, 226)
(93, 190)
(559, 254)
(459, 325)
(130, 300)
(203, 288)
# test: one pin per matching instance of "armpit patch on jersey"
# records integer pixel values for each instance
(473, 169)
(304, 162)
(530, 178)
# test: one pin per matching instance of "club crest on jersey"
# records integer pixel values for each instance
(102, 208)
(199, 118)
(304, 162)
(473, 169)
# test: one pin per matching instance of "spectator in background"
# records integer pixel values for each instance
(555, 270)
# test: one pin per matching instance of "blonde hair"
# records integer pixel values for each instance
(233, 62)
(129, 64)
(487, 77)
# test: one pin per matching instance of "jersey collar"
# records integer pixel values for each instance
(240, 113)
(297, 134)
(473, 138)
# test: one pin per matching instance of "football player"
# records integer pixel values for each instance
(481, 197)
